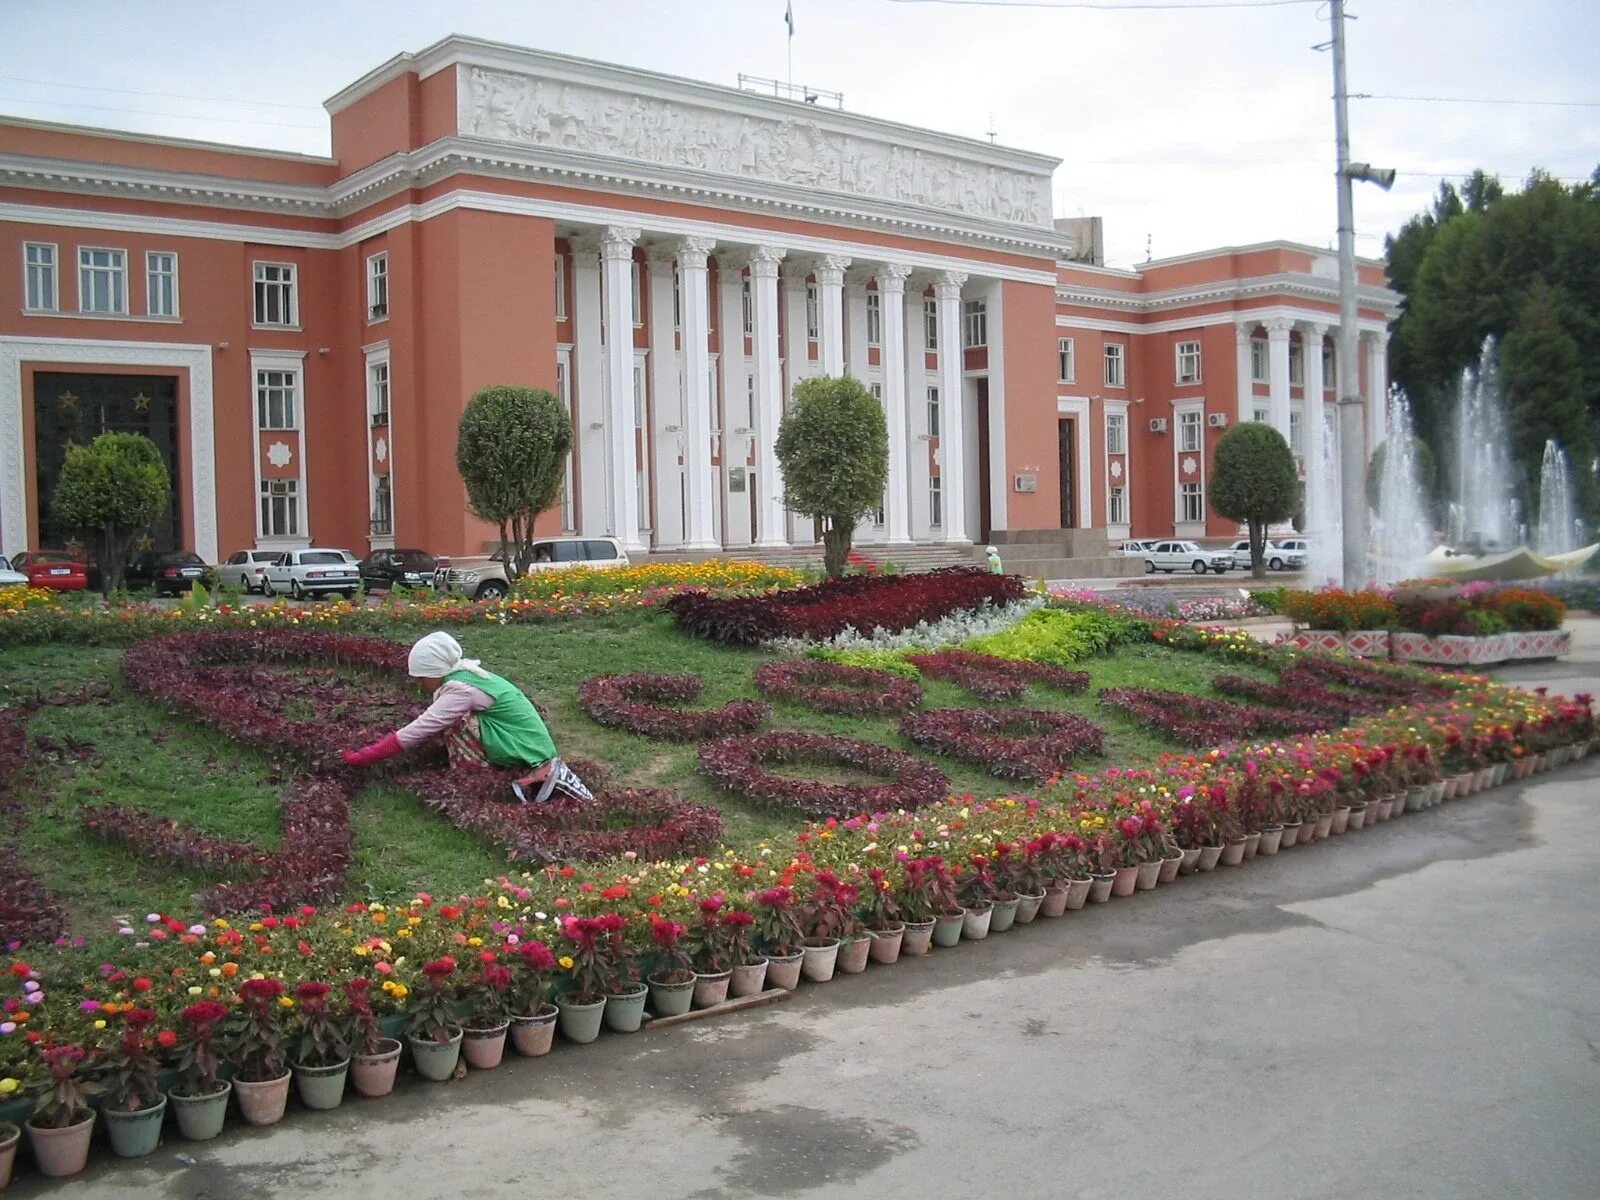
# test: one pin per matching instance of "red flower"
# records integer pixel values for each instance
(711, 905)
(450, 911)
(439, 969)
(138, 1018)
(141, 984)
(260, 991)
(20, 968)
(615, 892)
(206, 1012)
(486, 956)
(166, 1039)
(312, 990)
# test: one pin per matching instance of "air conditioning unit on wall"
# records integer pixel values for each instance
(1158, 424)
(1217, 420)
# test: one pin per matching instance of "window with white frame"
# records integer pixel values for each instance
(102, 281)
(1328, 362)
(933, 412)
(1297, 365)
(1116, 365)
(276, 302)
(1067, 354)
(1261, 415)
(378, 392)
(677, 298)
(1191, 503)
(1116, 433)
(877, 391)
(749, 401)
(160, 283)
(277, 399)
(561, 287)
(1294, 431)
(930, 323)
(874, 319)
(638, 394)
(41, 289)
(378, 286)
(636, 288)
(1188, 363)
(280, 508)
(1189, 435)
(813, 318)
(382, 506)
(935, 501)
(1259, 368)
(1117, 505)
(747, 305)
(976, 323)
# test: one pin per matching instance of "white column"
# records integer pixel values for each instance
(855, 320)
(1278, 372)
(666, 410)
(1243, 336)
(952, 431)
(735, 446)
(796, 359)
(589, 424)
(616, 260)
(917, 414)
(1377, 389)
(1311, 423)
(829, 271)
(694, 303)
(892, 308)
(771, 518)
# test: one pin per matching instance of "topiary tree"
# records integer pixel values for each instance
(833, 447)
(1253, 480)
(511, 452)
(1427, 473)
(109, 492)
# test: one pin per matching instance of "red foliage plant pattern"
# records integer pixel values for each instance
(739, 764)
(837, 688)
(1198, 721)
(1014, 743)
(991, 678)
(28, 910)
(648, 705)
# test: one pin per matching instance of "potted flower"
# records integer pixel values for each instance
(625, 992)
(375, 1058)
(778, 928)
(714, 949)
(592, 968)
(672, 983)
(749, 972)
(62, 1121)
(321, 1059)
(827, 916)
(1021, 872)
(977, 898)
(431, 1028)
(916, 900)
(10, 1136)
(1002, 894)
(488, 993)
(201, 1097)
(256, 1048)
(130, 1073)
(533, 1018)
(881, 912)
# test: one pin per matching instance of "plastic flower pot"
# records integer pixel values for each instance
(1149, 874)
(821, 956)
(1078, 893)
(1190, 863)
(320, 1087)
(1271, 837)
(264, 1102)
(1207, 858)
(783, 970)
(711, 987)
(1003, 915)
(1417, 797)
(853, 954)
(581, 1022)
(1101, 887)
(625, 1010)
(1233, 853)
(1168, 868)
(64, 1151)
(484, 1046)
(533, 1036)
(671, 997)
(373, 1074)
(10, 1135)
(1436, 788)
(749, 978)
(947, 928)
(1127, 879)
(133, 1133)
(435, 1060)
(975, 921)
(1028, 906)
(886, 944)
(918, 937)
(1054, 903)
(200, 1118)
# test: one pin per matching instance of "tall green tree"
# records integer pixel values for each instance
(109, 492)
(833, 447)
(1254, 481)
(511, 452)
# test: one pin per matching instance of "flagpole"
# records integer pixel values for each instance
(788, 20)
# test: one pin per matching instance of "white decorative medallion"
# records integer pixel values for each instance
(1190, 466)
(279, 455)
(1116, 468)
(380, 450)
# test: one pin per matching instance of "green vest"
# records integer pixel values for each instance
(513, 733)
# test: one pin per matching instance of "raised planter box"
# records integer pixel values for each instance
(1449, 650)
(1362, 643)
(1538, 643)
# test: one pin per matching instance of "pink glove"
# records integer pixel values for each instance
(385, 747)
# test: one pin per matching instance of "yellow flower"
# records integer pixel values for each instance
(566, 962)
(99, 1024)
(400, 991)
(9, 1085)
(285, 1001)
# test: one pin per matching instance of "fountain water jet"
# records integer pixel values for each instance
(1324, 526)
(1560, 528)
(1484, 515)
(1402, 532)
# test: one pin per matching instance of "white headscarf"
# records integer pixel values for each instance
(437, 655)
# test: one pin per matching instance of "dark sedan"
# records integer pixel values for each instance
(169, 572)
(385, 569)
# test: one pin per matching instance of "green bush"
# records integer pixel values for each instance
(892, 661)
(1060, 636)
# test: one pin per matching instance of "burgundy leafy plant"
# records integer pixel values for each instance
(837, 688)
(1301, 696)
(1198, 721)
(990, 677)
(1013, 743)
(256, 1037)
(740, 763)
(130, 1070)
(651, 705)
(778, 921)
(321, 1032)
(197, 1055)
(431, 1015)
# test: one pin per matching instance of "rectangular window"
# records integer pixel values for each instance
(378, 287)
(813, 319)
(1193, 498)
(935, 501)
(1297, 365)
(1328, 366)
(976, 323)
(677, 299)
(1116, 433)
(561, 287)
(1116, 365)
(874, 319)
(378, 392)
(1261, 416)
(382, 507)
(748, 306)
(930, 323)
(275, 399)
(276, 302)
(933, 412)
(1188, 364)
(1258, 360)
(103, 281)
(1066, 349)
(638, 395)
(636, 297)
(40, 290)
(1294, 431)
(749, 401)
(1117, 505)
(280, 508)
(1189, 435)
(161, 283)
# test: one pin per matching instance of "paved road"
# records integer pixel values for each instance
(1409, 1011)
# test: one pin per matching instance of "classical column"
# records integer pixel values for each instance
(921, 517)
(855, 321)
(589, 424)
(952, 431)
(666, 410)
(1377, 388)
(829, 271)
(1311, 424)
(892, 310)
(1278, 372)
(694, 305)
(795, 343)
(735, 447)
(616, 259)
(1244, 334)
(771, 519)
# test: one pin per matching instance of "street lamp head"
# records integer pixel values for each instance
(1382, 176)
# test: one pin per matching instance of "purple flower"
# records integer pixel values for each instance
(31, 985)
(8, 1026)
(89, 1006)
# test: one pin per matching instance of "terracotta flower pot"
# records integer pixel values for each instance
(1358, 816)
(60, 1152)
(821, 956)
(1101, 887)
(1148, 876)
(711, 987)
(484, 1046)
(1208, 858)
(1127, 879)
(1233, 852)
(533, 1036)
(200, 1118)
(1054, 902)
(749, 978)
(886, 944)
(1077, 893)
(264, 1102)
(1382, 808)
(10, 1136)
(853, 955)
(624, 1011)
(1190, 863)
(1252, 843)
(1289, 837)
(1167, 869)
(975, 921)
(918, 937)
(947, 928)
(1271, 838)
(1341, 820)
(671, 997)
(783, 970)
(1002, 915)
(1028, 906)
(321, 1087)
(1324, 825)
(372, 1075)
(436, 1060)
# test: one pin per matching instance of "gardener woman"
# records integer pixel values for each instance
(484, 720)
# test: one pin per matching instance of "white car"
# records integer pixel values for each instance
(1279, 556)
(304, 573)
(485, 578)
(1136, 549)
(8, 577)
(1186, 556)
(247, 568)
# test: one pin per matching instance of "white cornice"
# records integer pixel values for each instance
(1307, 316)
(1294, 283)
(175, 187)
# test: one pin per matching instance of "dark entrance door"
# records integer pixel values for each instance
(1067, 437)
(985, 518)
(73, 409)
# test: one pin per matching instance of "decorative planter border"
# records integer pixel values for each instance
(1449, 650)
(1361, 643)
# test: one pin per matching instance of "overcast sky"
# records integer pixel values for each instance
(1191, 129)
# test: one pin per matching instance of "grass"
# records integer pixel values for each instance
(149, 760)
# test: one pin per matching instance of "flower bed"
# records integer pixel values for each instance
(992, 678)
(1302, 693)
(28, 911)
(1013, 743)
(648, 705)
(658, 578)
(1198, 721)
(835, 688)
(739, 763)
(1339, 610)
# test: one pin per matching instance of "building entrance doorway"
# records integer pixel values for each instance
(1067, 440)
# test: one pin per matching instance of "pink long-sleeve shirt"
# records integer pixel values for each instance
(453, 703)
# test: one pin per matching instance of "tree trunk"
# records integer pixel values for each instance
(111, 578)
(1258, 558)
(836, 546)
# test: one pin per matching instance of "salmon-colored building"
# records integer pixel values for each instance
(300, 334)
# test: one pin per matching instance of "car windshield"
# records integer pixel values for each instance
(52, 556)
(415, 560)
(180, 558)
(264, 555)
(322, 556)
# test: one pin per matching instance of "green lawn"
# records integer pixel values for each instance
(172, 766)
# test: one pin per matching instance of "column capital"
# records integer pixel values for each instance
(1378, 337)
(1316, 329)
(947, 284)
(763, 262)
(892, 278)
(696, 249)
(1244, 332)
(1278, 328)
(617, 241)
(830, 268)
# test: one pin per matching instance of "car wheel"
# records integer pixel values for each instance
(295, 590)
(492, 591)
(1220, 570)
(349, 595)
(266, 587)
(1199, 566)
(1276, 564)
(244, 585)
(1149, 567)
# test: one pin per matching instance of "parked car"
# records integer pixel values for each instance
(485, 578)
(8, 577)
(54, 569)
(304, 573)
(247, 568)
(1137, 548)
(1186, 556)
(169, 572)
(1279, 556)
(385, 569)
